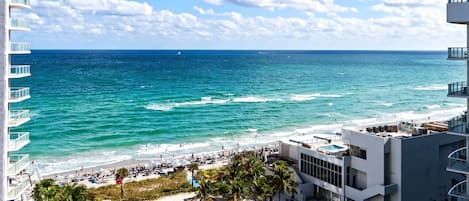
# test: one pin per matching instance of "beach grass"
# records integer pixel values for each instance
(150, 189)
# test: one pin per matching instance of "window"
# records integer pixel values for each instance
(322, 170)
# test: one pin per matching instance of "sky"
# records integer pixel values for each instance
(240, 24)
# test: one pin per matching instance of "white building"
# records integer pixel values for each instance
(14, 182)
(458, 13)
(393, 162)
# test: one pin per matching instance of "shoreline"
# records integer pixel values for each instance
(104, 175)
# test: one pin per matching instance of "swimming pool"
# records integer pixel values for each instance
(333, 148)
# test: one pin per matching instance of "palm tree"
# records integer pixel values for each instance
(203, 190)
(283, 179)
(122, 173)
(193, 167)
(45, 190)
(72, 192)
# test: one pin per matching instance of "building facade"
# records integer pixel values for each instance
(458, 13)
(402, 161)
(14, 182)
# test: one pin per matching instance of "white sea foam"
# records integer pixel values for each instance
(432, 106)
(435, 87)
(253, 99)
(454, 104)
(307, 97)
(251, 130)
(170, 106)
(304, 97)
(384, 103)
(330, 104)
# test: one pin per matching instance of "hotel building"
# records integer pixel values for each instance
(391, 162)
(458, 13)
(13, 180)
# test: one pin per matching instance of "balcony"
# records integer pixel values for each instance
(18, 117)
(457, 53)
(18, 140)
(17, 164)
(20, 48)
(458, 126)
(19, 25)
(20, 4)
(459, 192)
(458, 89)
(19, 71)
(18, 94)
(456, 11)
(457, 161)
(17, 188)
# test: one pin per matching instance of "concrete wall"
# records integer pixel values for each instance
(422, 166)
(373, 165)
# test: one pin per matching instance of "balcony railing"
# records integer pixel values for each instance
(18, 117)
(17, 188)
(457, 1)
(18, 140)
(20, 48)
(17, 164)
(458, 89)
(458, 125)
(19, 71)
(459, 191)
(19, 24)
(457, 161)
(457, 53)
(20, 3)
(18, 94)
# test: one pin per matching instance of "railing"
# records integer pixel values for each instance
(19, 24)
(18, 94)
(21, 2)
(19, 47)
(18, 117)
(458, 89)
(457, 1)
(19, 71)
(18, 140)
(457, 160)
(17, 163)
(458, 125)
(457, 53)
(459, 191)
(15, 190)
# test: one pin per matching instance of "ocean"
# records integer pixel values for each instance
(98, 107)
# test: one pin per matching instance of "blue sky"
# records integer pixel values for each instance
(240, 24)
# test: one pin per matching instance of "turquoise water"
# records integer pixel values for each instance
(96, 107)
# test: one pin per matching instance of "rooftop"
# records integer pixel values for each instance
(335, 145)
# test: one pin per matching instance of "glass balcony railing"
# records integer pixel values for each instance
(458, 89)
(19, 71)
(18, 94)
(458, 1)
(457, 53)
(18, 140)
(459, 192)
(457, 161)
(20, 48)
(20, 3)
(17, 188)
(458, 125)
(18, 117)
(19, 24)
(17, 164)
